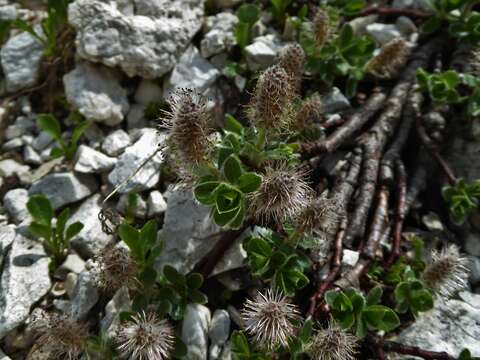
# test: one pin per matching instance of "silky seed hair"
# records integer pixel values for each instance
(271, 103)
(270, 318)
(145, 337)
(332, 343)
(188, 122)
(283, 194)
(62, 337)
(309, 112)
(114, 268)
(321, 27)
(447, 272)
(292, 59)
(390, 60)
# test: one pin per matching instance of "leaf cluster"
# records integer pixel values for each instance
(462, 199)
(271, 259)
(51, 126)
(56, 237)
(350, 309)
(248, 15)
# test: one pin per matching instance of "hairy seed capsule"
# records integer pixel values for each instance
(309, 111)
(389, 62)
(188, 122)
(321, 27)
(271, 102)
(271, 319)
(333, 343)
(292, 59)
(447, 272)
(282, 195)
(145, 337)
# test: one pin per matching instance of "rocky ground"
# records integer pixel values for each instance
(125, 59)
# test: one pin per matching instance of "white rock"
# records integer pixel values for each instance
(472, 243)
(140, 210)
(263, 52)
(25, 280)
(21, 58)
(91, 238)
(450, 326)
(188, 231)
(42, 141)
(474, 266)
(10, 167)
(120, 302)
(349, 257)
(84, 296)
(234, 257)
(195, 331)
(133, 156)
(359, 24)
(415, 4)
(96, 93)
(383, 33)
(334, 101)
(156, 203)
(136, 117)
(13, 131)
(7, 235)
(73, 263)
(15, 202)
(406, 26)
(146, 44)
(13, 144)
(89, 161)
(219, 37)
(31, 156)
(116, 142)
(8, 12)
(70, 283)
(192, 71)
(147, 92)
(218, 333)
(64, 188)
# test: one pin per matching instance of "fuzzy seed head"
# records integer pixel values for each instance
(389, 62)
(333, 343)
(188, 122)
(321, 27)
(292, 59)
(270, 319)
(114, 268)
(474, 61)
(282, 195)
(310, 110)
(320, 217)
(270, 107)
(145, 337)
(63, 337)
(447, 272)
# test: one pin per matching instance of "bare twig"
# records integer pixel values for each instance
(381, 10)
(390, 346)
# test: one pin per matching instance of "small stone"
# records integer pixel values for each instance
(156, 203)
(8, 12)
(263, 52)
(432, 222)
(96, 93)
(119, 303)
(192, 71)
(89, 161)
(414, 4)
(219, 37)
(21, 58)
(42, 141)
(472, 244)
(12, 144)
(73, 263)
(194, 334)
(140, 210)
(406, 26)
(10, 167)
(7, 235)
(24, 281)
(218, 333)
(359, 24)
(15, 202)
(91, 238)
(13, 131)
(334, 101)
(234, 257)
(136, 117)
(116, 142)
(148, 92)
(70, 283)
(31, 156)
(84, 296)
(474, 266)
(349, 257)
(383, 33)
(133, 156)
(64, 188)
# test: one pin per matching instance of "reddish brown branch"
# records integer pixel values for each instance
(399, 213)
(380, 10)
(390, 346)
(352, 125)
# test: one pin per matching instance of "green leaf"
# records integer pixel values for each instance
(194, 281)
(205, 192)
(198, 297)
(346, 36)
(240, 344)
(139, 303)
(62, 220)
(73, 230)
(78, 131)
(40, 209)
(50, 125)
(242, 34)
(431, 25)
(232, 168)
(338, 301)
(180, 348)
(381, 317)
(148, 234)
(173, 276)
(148, 277)
(131, 237)
(248, 13)
(374, 295)
(56, 153)
(249, 182)
(231, 124)
(306, 331)
(40, 230)
(24, 26)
